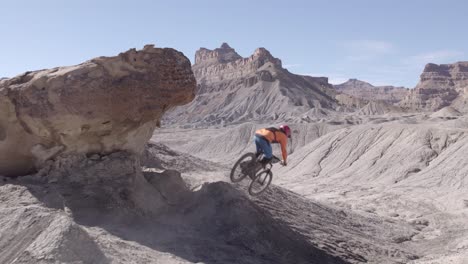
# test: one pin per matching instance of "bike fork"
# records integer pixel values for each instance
(262, 181)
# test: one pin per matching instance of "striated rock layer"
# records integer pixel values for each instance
(100, 106)
(440, 86)
(235, 89)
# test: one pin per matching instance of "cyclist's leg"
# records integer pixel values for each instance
(266, 149)
(258, 145)
(267, 155)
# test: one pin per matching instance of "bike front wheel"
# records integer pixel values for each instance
(261, 182)
(244, 167)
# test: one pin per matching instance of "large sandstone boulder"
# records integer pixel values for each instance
(103, 105)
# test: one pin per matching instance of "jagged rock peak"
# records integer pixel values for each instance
(222, 54)
(225, 54)
(225, 46)
(264, 55)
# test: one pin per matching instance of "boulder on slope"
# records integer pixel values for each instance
(103, 105)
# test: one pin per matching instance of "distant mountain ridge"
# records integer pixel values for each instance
(235, 89)
(367, 91)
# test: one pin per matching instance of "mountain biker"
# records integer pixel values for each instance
(265, 136)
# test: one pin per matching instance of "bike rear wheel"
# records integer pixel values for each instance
(244, 167)
(261, 182)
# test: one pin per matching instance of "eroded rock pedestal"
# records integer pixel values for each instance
(103, 105)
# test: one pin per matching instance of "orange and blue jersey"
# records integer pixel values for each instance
(275, 137)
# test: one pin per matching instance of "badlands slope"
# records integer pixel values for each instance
(404, 164)
(407, 168)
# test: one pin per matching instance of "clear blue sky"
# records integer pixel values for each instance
(383, 42)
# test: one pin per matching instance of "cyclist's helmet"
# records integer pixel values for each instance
(286, 130)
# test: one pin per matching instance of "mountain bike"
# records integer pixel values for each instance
(250, 165)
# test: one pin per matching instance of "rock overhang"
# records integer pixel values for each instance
(103, 105)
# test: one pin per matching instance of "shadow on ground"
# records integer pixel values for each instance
(217, 224)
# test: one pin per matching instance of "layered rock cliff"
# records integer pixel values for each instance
(440, 86)
(220, 55)
(235, 89)
(103, 105)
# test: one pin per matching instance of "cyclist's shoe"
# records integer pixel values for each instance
(257, 155)
(265, 161)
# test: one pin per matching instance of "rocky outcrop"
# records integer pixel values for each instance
(103, 105)
(364, 90)
(440, 86)
(224, 63)
(445, 76)
(223, 54)
(235, 89)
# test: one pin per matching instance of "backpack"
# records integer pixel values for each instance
(274, 130)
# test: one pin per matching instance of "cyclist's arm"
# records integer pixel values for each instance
(284, 141)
